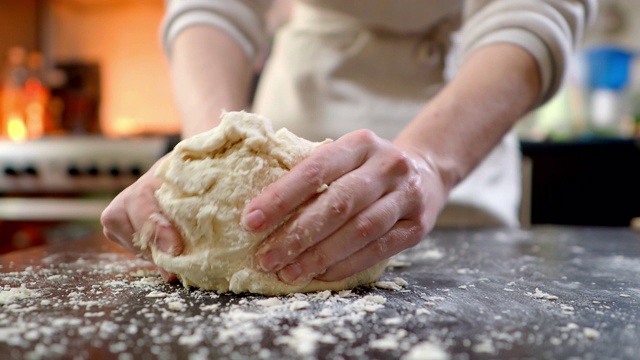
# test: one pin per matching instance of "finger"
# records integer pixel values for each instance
(142, 207)
(367, 226)
(116, 224)
(346, 197)
(167, 276)
(158, 232)
(140, 202)
(404, 234)
(317, 221)
(126, 245)
(135, 210)
(322, 166)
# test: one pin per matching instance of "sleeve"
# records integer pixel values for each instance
(243, 20)
(549, 30)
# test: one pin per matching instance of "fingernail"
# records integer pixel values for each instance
(290, 273)
(269, 261)
(254, 220)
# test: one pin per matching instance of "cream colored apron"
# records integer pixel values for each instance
(329, 75)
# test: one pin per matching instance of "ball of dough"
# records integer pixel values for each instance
(207, 181)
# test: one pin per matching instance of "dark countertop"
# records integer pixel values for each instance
(469, 293)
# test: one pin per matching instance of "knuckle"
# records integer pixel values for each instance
(399, 163)
(110, 216)
(365, 136)
(313, 173)
(364, 227)
(341, 205)
(414, 190)
(317, 261)
(417, 231)
(294, 245)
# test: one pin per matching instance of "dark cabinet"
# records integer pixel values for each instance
(588, 182)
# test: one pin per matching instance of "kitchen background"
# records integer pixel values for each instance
(86, 107)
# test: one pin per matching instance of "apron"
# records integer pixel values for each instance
(328, 74)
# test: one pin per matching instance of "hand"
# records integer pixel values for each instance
(134, 210)
(380, 200)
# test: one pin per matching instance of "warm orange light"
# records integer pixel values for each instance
(124, 125)
(35, 120)
(16, 128)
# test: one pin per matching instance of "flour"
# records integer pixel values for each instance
(9, 294)
(538, 294)
(426, 351)
(131, 317)
(591, 334)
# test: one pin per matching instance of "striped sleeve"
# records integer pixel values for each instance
(243, 20)
(549, 30)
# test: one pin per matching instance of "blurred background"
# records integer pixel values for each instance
(86, 107)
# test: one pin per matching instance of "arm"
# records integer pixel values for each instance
(392, 193)
(460, 126)
(384, 197)
(210, 73)
(507, 47)
(211, 46)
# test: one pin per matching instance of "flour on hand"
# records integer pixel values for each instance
(207, 181)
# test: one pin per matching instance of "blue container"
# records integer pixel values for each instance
(608, 67)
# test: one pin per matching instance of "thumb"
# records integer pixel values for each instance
(160, 233)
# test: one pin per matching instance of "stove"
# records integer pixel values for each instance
(61, 185)
(91, 164)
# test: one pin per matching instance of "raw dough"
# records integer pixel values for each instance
(208, 180)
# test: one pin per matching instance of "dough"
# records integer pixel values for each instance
(208, 180)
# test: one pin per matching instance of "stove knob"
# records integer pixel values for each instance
(114, 171)
(73, 171)
(135, 170)
(10, 171)
(31, 170)
(93, 170)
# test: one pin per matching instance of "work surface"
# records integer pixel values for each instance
(550, 292)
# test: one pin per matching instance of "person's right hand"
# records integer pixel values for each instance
(134, 210)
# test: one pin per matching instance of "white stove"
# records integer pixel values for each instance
(76, 165)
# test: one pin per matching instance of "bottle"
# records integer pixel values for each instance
(14, 77)
(36, 98)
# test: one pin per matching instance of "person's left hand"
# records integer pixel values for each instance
(380, 200)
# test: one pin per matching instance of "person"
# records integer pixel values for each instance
(420, 97)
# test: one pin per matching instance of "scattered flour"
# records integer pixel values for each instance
(591, 334)
(9, 295)
(542, 295)
(129, 306)
(426, 351)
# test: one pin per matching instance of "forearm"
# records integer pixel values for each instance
(210, 73)
(459, 127)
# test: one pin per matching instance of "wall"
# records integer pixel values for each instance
(616, 23)
(17, 24)
(123, 37)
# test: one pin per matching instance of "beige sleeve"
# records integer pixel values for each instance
(548, 29)
(243, 20)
